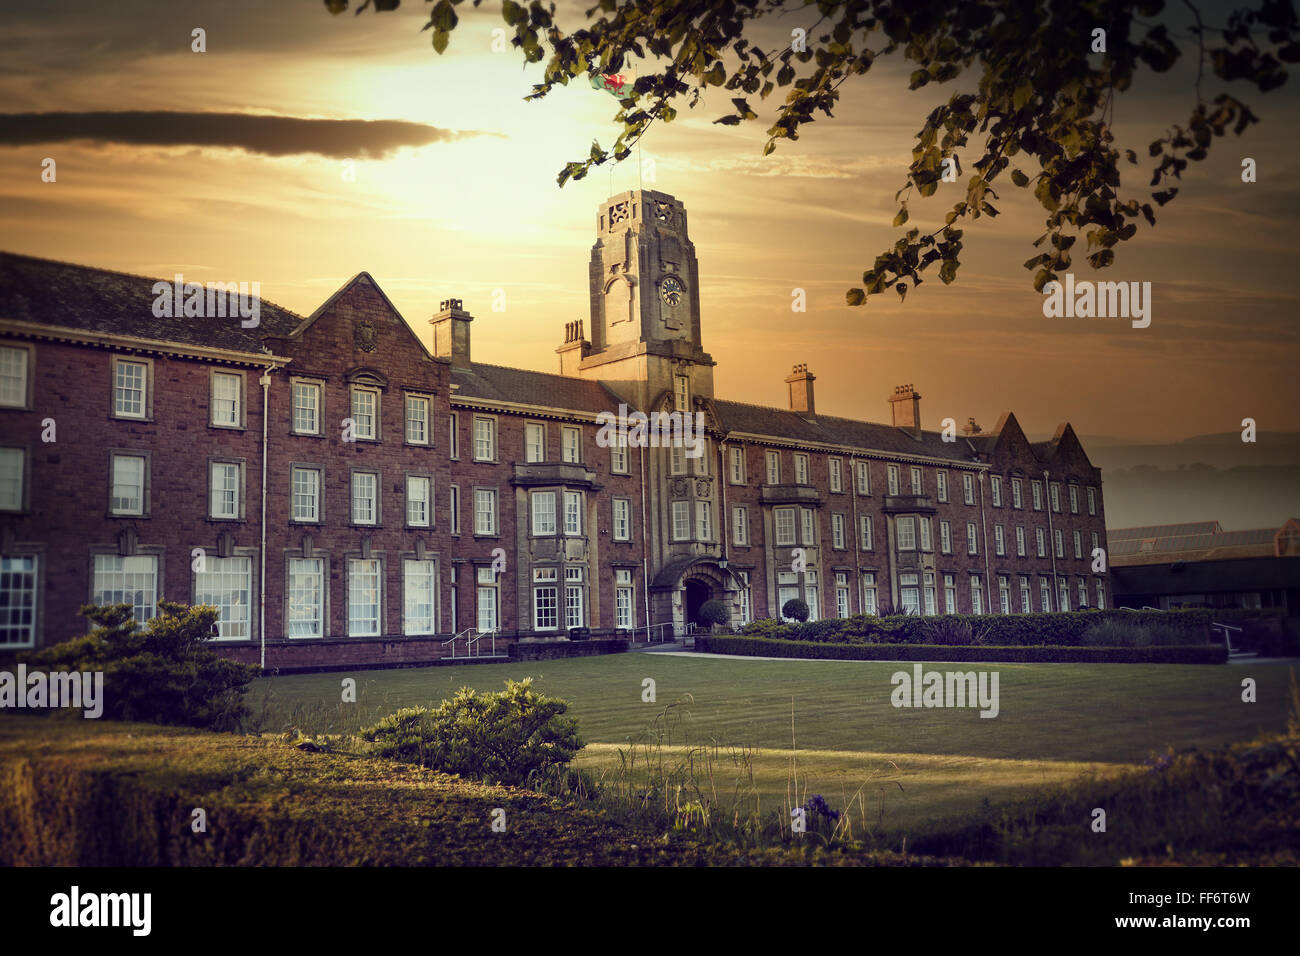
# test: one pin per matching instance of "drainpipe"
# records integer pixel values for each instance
(265, 382)
(1051, 535)
(723, 478)
(856, 578)
(645, 548)
(984, 527)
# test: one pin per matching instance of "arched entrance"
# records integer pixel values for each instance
(697, 592)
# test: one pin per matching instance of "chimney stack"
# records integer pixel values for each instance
(801, 391)
(906, 406)
(971, 428)
(451, 333)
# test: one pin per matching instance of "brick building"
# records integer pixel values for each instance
(347, 495)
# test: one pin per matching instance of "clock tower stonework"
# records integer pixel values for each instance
(645, 302)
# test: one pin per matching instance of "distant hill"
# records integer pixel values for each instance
(1239, 498)
(1215, 451)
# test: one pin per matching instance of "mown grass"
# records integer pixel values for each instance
(903, 770)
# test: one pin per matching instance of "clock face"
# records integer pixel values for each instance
(670, 290)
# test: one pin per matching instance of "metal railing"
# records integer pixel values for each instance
(472, 637)
(1227, 636)
(654, 633)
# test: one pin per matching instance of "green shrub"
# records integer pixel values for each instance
(796, 609)
(502, 737)
(163, 673)
(714, 612)
(1060, 629)
(775, 647)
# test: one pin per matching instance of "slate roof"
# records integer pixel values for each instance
(502, 384)
(1158, 548)
(117, 303)
(829, 429)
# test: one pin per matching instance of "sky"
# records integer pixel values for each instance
(346, 144)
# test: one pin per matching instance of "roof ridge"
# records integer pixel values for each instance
(127, 275)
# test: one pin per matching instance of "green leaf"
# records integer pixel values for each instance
(440, 38)
(855, 297)
(901, 217)
(1019, 178)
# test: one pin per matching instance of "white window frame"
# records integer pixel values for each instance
(485, 438)
(571, 444)
(235, 419)
(19, 595)
(294, 494)
(485, 519)
(772, 463)
(621, 513)
(15, 381)
(365, 574)
(142, 507)
(542, 506)
(367, 494)
(424, 421)
(419, 592)
(534, 442)
(740, 525)
(357, 399)
(573, 514)
(313, 389)
(296, 569)
(786, 536)
(703, 521)
(413, 483)
(208, 591)
(237, 513)
(145, 388)
(137, 567)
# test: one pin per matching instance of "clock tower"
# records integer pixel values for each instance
(645, 302)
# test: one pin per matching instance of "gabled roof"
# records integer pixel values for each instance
(117, 303)
(498, 383)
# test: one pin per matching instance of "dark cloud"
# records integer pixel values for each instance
(270, 135)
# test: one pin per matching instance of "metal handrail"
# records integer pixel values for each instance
(473, 642)
(649, 628)
(457, 637)
(1227, 638)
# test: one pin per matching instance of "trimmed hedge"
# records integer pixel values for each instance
(775, 647)
(1058, 629)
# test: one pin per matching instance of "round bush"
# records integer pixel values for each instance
(714, 612)
(796, 609)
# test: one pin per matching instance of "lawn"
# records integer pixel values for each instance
(912, 766)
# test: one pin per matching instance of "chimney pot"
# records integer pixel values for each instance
(906, 407)
(800, 383)
(451, 332)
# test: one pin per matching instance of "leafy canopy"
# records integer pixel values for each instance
(1041, 114)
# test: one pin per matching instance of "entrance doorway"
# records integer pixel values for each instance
(697, 592)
